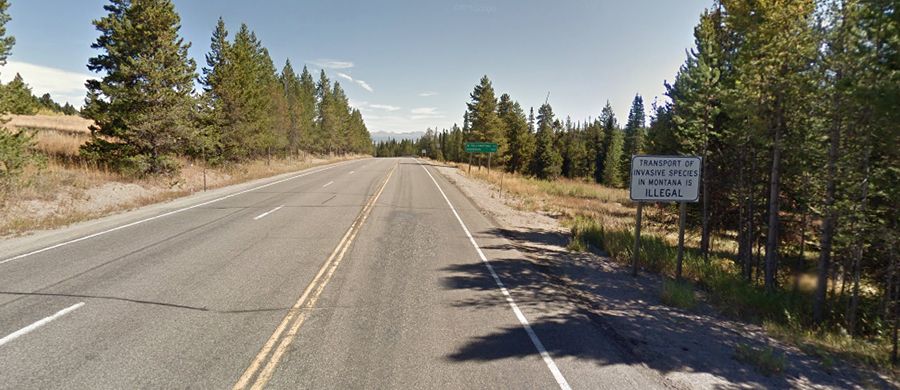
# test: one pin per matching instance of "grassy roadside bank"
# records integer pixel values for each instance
(57, 193)
(58, 187)
(602, 218)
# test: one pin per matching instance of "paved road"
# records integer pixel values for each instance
(374, 273)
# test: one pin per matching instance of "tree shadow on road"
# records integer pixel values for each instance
(598, 312)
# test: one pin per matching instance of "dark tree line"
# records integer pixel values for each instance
(401, 148)
(542, 145)
(16, 98)
(147, 112)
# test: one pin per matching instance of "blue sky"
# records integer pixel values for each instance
(408, 65)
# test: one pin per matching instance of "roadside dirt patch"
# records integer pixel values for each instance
(690, 348)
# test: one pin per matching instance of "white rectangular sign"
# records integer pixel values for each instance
(665, 178)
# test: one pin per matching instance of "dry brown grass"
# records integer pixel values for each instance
(59, 144)
(569, 199)
(59, 194)
(59, 123)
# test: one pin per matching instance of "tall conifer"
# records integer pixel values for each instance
(141, 105)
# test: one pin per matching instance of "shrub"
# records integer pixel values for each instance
(15, 153)
(765, 360)
(677, 294)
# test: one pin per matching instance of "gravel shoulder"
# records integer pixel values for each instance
(689, 348)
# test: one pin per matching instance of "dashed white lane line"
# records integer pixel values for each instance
(267, 213)
(328, 184)
(45, 321)
(351, 172)
(560, 379)
(79, 239)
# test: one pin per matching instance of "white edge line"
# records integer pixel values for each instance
(328, 184)
(40, 323)
(64, 243)
(560, 379)
(267, 213)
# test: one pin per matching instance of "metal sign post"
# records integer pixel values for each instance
(637, 240)
(664, 179)
(682, 215)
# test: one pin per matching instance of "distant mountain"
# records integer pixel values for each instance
(384, 135)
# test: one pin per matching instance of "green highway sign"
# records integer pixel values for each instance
(481, 147)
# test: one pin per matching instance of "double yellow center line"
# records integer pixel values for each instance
(266, 361)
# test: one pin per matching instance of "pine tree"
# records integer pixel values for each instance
(607, 126)
(612, 170)
(661, 133)
(6, 41)
(14, 147)
(484, 124)
(576, 158)
(307, 103)
(17, 98)
(361, 140)
(212, 118)
(773, 78)
(326, 115)
(216, 58)
(69, 109)
(595, 139)
(634, 135)
(546, 162)
(341, 107)
(519, 139)
(245, 88)
(697, 99)
(273, 124)
(290, 84)
(141, 105)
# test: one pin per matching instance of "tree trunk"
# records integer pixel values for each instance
(845, 276)
(742, 239)
(860, 244)
(834, 280)
(801, 256)
(759, 267)
(892, 302)
(891, 271)
(751, 233)
(774, 179)
(704, 238)
(894, 349)
(829, 221)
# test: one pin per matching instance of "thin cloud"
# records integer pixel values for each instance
(385, 107)
(361, 83)
(332, 64)
(424, 111)
(364, 85)
(62, 85)
(428, 93)
(420, 117)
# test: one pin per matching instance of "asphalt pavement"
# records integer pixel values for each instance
(372, 273)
